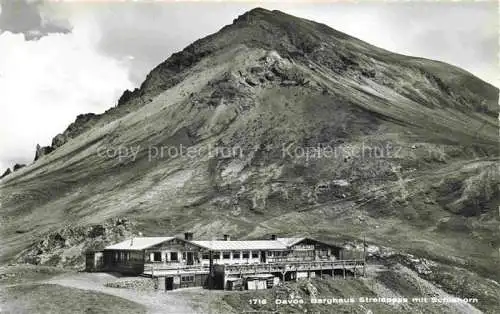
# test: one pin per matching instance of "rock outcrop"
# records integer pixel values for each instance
(66, 247)
(6, 173)
(14, 168)
(82, 123)
(42, 151)
(18, 166)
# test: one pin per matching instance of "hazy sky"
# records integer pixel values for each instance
(60, 60)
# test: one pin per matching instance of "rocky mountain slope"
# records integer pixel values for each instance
(277, 124)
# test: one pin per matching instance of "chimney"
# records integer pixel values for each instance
(188, 236)
(273, 237)
(227, 237)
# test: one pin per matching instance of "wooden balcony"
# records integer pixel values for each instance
(292, 266)
(163, 269)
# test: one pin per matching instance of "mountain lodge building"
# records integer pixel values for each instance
(177, 262)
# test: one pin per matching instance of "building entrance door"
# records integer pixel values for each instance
(169, 283)
(262, 256)
(190, 258)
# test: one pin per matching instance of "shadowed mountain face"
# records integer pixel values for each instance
(277, 124)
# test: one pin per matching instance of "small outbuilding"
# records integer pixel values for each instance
(259, 281)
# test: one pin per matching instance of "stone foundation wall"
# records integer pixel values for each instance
(133, 283)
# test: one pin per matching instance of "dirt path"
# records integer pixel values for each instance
(154, 301)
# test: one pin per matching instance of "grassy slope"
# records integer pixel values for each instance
(45, 298)
(22, 290)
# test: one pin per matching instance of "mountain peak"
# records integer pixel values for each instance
(262, 13)
(257, 12)
(274, 17)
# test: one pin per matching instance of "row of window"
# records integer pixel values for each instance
(189, 278)
(276, 253)
(303, 253)
(156, 256)
(227, 255)
(122, 256)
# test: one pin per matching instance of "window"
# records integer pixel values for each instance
(277, 253)
(255, 254)
(205, 256)
(246, 254)
(124, 256)
(226, 255)
(236, 255)
(189, 278)
(269, 253)
(216, 255)
(173, 256)
(184, 255)
(156, 256)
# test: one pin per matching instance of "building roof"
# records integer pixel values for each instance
(242, 245)
(290, 241)
(141, 243)
(138, 243)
